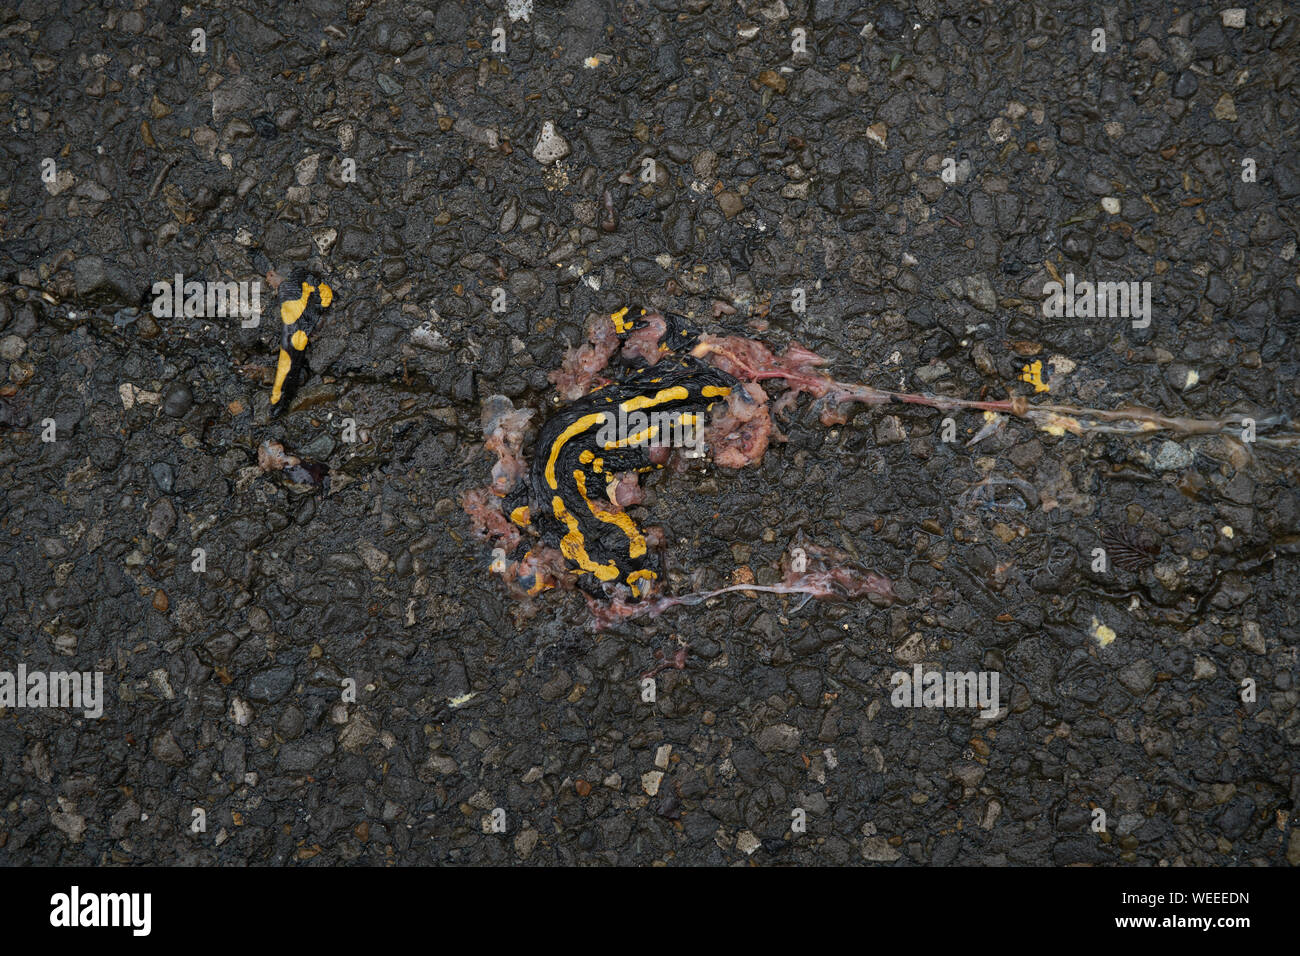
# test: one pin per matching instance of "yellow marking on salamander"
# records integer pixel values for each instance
(326, 295)
(573, 547)
(299, 340)
(620, 325)
(643, 574)
(577, 428)
(635, 540)
(715, 391)
(521, 516)
(1033, 375)
(291, 312)
(642, 437)
(281, 373)
(675, 394)
(540, 583)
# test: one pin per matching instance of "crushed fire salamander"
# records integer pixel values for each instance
(302, 298)
(573, 472)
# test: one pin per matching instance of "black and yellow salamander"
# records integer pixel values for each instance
(582, 448)
(302, 299)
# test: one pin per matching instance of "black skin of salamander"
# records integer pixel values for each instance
(605, 542)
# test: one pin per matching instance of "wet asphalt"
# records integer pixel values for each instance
(390, 148)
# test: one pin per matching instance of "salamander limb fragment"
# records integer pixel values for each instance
(302, 300)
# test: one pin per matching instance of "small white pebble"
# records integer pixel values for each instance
(650, 781)
(1233, 18)
(1062, 365)
(551, 146)
(747, 843)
